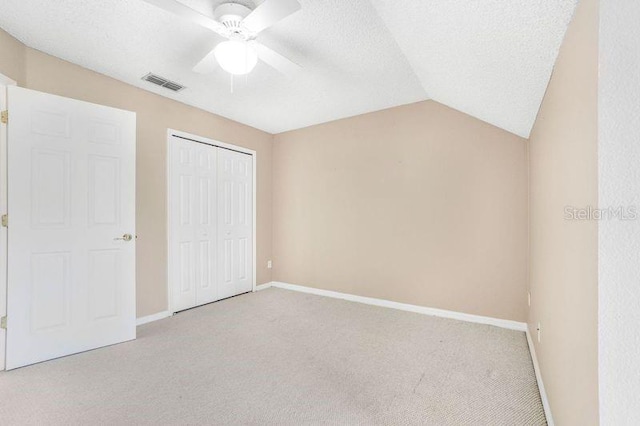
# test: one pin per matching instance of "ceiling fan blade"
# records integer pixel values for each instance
(276, 60)
(268, 13)
(186, 12)
(207, 65)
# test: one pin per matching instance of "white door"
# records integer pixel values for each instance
(210, 223)
(235, 223)
(192, 217)
(71, 205)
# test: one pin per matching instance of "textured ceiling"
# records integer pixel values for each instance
(491, 59)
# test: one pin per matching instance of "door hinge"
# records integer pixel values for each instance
(3, 323)
(5, 220)
(4, 117)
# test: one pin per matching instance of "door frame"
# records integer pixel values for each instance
(5, 82)
(213, 142)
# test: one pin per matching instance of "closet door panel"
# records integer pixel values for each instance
(182, 248)
(235, 207)
(206, 237)
(193, 223)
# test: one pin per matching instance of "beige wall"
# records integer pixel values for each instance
(154, 115)
(564, 254)
(12, 58)
(418, 204)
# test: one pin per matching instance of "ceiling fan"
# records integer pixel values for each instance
(240, 26)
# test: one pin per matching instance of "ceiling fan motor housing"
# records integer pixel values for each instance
(231, 15)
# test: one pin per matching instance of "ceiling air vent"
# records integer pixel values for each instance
(163, 82)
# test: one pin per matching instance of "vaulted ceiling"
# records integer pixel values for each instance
(491, 59)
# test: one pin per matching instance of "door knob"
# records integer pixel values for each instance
(125, 237)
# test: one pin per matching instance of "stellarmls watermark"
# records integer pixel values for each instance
(593, 213)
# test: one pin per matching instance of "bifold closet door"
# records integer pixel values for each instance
(235, 223)
(210, 223)
(192, 216)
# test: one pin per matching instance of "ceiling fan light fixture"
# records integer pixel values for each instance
(236, 57)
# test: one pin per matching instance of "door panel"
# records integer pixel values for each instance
(104, 190)
(104, 281)
(235, 225)
(50, 283)
(186, 272)
(50, 189)
(192, 224)
(71, 177)
(206, 265)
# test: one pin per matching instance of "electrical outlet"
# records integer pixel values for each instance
(529, 298)
(539, 331)
(269, 264)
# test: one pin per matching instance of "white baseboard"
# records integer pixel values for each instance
(263, 286)
(154, 317)
(536, 368)
(512, 325)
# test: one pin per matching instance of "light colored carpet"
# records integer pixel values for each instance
(288, 358)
